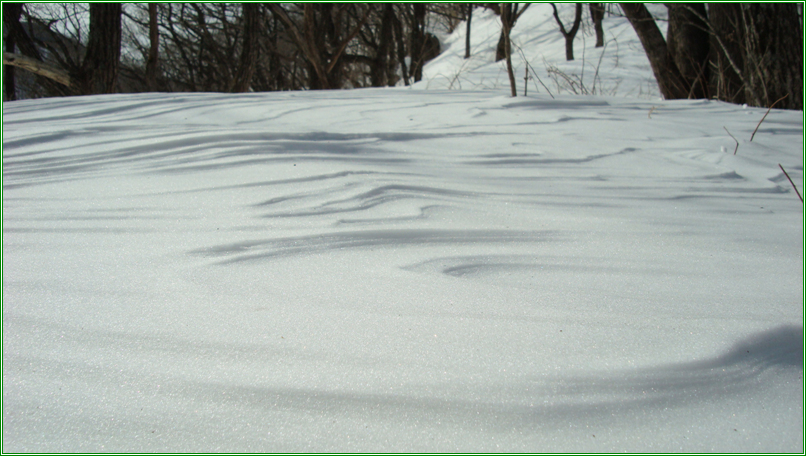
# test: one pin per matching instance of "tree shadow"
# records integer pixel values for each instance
(780, 347)
(525, 405)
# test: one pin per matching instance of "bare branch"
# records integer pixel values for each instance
(348, 39)
(718, 40)
(765, 116)
(790, 181)
(734, 138)
(37, 67)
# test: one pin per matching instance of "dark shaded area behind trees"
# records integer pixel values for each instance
(737, 52)
(741, 53)
(222, 47)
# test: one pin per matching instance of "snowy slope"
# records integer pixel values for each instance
(401, 270)
(620, 68)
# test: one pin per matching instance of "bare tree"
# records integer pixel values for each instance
(11, 15)
(322, 39)
(445, 17)
(382, 65)
(773, 54)
(687, 42)
(753, 52)
(400, 39)
(504, 42)
(224, 46)
(670, 81)
(417, 41)
(725, 43)
(99, 69)
(49, 77)
(153, 51)
(569, 34)
(200, 46)
(250, 16)
(375, 49)
(597, 15)
(467, 33)
(506, 16)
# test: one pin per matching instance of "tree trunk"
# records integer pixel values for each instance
(569, 34)
(670, 81)
(248, 59)
(379, 70)
(418, 41)
(504, 45)
(315, 29)
(99, 70)
(321, 40)
(153, 51)
(726, 60)
(11, 14)
(504, 40)
(569, 48)
(773, 64)
(401, 48)
(506, 15)
(306, 41)
(597, 15)
(278, 81)
(467, 34)
(687, 42)
(754, 52)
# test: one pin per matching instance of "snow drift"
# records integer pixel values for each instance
(400, 270)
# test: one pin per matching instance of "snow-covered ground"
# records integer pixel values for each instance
(620, 68)
(402, 270)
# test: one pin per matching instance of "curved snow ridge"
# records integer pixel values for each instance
(45, 155)
(781, 346)
(493, 266)
(674, 384)
(306, 245)
(368, 199)
(522, 161)
(295, 180)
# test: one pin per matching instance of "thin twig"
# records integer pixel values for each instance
(582, 74)
(711, 32)
(596, 74)
(790, 181)
(734, 138)
(456, 76)
(765, 116)
(533, 71)
(525, 80)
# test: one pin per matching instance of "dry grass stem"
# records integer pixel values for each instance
(790, 181)
(765, 116)
(734, 138)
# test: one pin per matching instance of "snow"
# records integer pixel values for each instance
(620, 68)
(403, 270)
